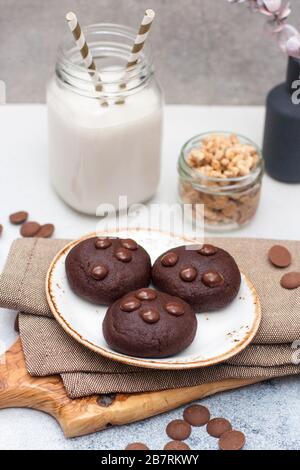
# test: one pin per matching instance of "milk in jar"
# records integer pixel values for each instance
(106, 144)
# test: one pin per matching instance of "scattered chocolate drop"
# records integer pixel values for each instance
(1, 229)
(103, 243)
(176, 445)
(175, 308)
(129, 244)
(146, 294)
(188, 274)
(16, 324)
(208, 250)
(212, 279)
(179, 430)
(18, 218)
(196, 415)
(46, 231)
(232, 440)
(290, 280)
(218, 426)
(136, 446)
(29, 229)
(130, 304)
(99, 272)
(106, 400)
(150, 315)
(124, 255)
(169, 259)
(280, 256)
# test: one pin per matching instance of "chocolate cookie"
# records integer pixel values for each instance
(207, 278)
(148, 323)
(103, 269)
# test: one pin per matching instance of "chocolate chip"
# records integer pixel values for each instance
(150, 315)
(46, 231)
(18, 217)
(16, 324)
(208, 250)
(136, 446)
(130, 304)
(290, 280)
(124, 255)
(232, 440)
(146, 294)
(212, 279)
(218, 426)
(188, 274)
(99, 272)
(129, 244)
(176, 445)
(175, 308)
(29, 229)
(103, 243)
(169, 259)
(1, 229)
(178, 430)
(106, 400)
(196, 415)
(280, 256)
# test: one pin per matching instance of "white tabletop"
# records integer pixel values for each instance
(24, 185)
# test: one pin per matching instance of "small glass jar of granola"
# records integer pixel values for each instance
(220, 176)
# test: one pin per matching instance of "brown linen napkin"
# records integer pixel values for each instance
(49, 350)
(81, 384)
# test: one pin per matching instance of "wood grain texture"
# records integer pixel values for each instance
(84, 416)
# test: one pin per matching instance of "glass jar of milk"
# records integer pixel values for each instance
(104, 141)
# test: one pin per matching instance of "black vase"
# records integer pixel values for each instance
(281, 147)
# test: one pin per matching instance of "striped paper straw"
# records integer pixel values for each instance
(141, 37)
(84, 49)
(139, 44)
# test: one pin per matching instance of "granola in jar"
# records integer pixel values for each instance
(220, 176)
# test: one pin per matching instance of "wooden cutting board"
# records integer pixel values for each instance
(87, 415)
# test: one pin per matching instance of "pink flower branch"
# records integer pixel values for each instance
(277, 12)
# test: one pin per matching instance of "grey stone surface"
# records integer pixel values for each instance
(207, 51)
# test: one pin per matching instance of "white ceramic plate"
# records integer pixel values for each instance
(220, 334)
